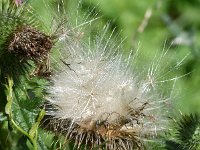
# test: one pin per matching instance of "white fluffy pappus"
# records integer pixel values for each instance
(100, 99)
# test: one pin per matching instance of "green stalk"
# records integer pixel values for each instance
(32, 135)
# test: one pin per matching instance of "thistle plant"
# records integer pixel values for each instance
(20, 41)
(95, 96)
(22, 51)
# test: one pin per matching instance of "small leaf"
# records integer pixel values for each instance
(34, 128)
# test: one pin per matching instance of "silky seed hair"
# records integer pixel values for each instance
(99, 99)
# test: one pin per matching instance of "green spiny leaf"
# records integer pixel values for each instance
(187, 135)
(189, 131)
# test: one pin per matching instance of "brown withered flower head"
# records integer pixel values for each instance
(29, 43)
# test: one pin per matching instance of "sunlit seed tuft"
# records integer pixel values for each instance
(99, 99)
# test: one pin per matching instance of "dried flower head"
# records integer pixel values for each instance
(30, 43)
(97, 100)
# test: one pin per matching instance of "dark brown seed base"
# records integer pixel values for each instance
(101, 136)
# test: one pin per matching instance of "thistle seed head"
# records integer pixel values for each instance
(97, 100)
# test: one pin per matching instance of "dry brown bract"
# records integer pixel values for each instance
(30, 44)
(100, 135)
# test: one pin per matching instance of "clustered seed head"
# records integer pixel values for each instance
(96, 100)
(29, 43)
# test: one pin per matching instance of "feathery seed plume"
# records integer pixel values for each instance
(98, 99)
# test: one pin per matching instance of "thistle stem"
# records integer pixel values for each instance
(8, 110)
